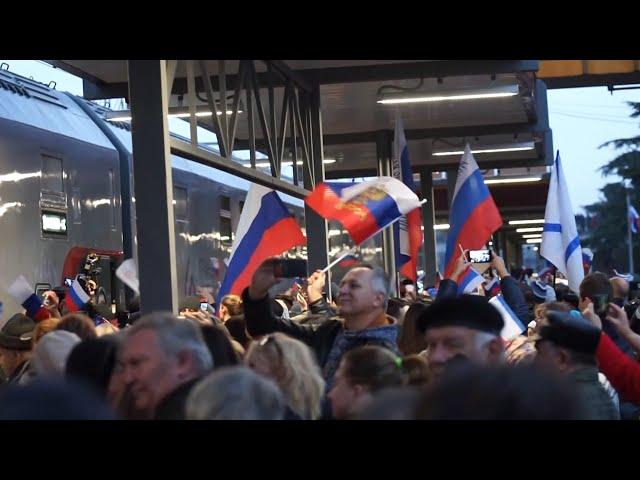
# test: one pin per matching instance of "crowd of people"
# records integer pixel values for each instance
(345, 351)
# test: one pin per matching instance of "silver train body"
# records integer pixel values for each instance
(60, 188)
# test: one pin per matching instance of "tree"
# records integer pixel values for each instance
(608, 232)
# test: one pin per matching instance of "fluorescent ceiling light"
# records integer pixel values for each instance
(532, 235)
(493, 181)
(174, 112)
(534, 240)
(447, 96)
(444, 226)
(514, 147)
(287, 163)
(531, 229)
(526, 222)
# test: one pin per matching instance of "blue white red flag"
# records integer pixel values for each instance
(363, 208)
(76, 297)
(265, 229)
(469, 281)
(24, 294)
(473, 216)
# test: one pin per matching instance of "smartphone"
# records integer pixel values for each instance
(479, 256)
(600, 303)
(289, 268)
(204, 306)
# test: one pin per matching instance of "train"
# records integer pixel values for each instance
(61, 197)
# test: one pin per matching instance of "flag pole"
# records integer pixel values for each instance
(629, 236)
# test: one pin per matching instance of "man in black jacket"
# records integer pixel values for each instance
(163, 358)
(362, 300)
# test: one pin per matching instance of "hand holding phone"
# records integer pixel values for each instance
(479, 256)
(289, 268)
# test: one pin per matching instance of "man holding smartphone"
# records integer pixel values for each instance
(362, 300)
(509, 287)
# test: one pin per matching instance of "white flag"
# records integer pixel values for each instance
(128, 273)
(560, 239)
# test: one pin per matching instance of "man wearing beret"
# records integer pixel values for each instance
(466, 326)
(568, 345)
(15, 347)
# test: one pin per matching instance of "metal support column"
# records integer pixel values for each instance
(317, 239)
(428, 221)
(154, 186)
(384, 144)
(452, 178)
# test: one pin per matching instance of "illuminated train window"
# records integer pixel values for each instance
(54, 224)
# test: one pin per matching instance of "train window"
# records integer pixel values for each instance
(54, 223)
(225, 231)
(180, 204)
(241, 205)
(52, 174)
(225, 203)
(112, 198)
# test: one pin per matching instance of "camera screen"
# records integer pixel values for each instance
(204, 307)
(479, 256)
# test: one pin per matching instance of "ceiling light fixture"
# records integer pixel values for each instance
(446, 96)
(174, 112)
(526, 222)
(534, 240)
(531, 229)
(532, 235)
(513, 147)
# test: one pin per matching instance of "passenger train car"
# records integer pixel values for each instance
(60, 187)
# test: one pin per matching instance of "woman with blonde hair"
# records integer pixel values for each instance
(292, 366)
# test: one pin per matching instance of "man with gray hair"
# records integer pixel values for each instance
(467, 326)
(362, 301)
(235, 393)
(162, 359)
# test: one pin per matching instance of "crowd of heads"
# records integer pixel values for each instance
(314, 352)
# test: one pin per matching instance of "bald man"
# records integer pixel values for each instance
(620, 290)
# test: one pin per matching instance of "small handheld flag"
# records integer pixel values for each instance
(24, 294)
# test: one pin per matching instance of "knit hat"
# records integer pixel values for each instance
(17, 332)
(51, 352)
(542, 292)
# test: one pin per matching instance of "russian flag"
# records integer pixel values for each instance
(76, 297)
(363, 208)
(512, 324)
(587, 260)
(634, 219)
(469, 281)
(265, 229)
(24, 294)
(407, 231)
(474, 215)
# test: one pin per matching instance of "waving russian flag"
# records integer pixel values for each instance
(474, 215)
(266, 228)
(24, 294)
(469, 281)
(76, 297)
(363, 208)
(407, 231)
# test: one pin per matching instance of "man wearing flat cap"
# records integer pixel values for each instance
(15, 347)
(567, 345)
(467, 326)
